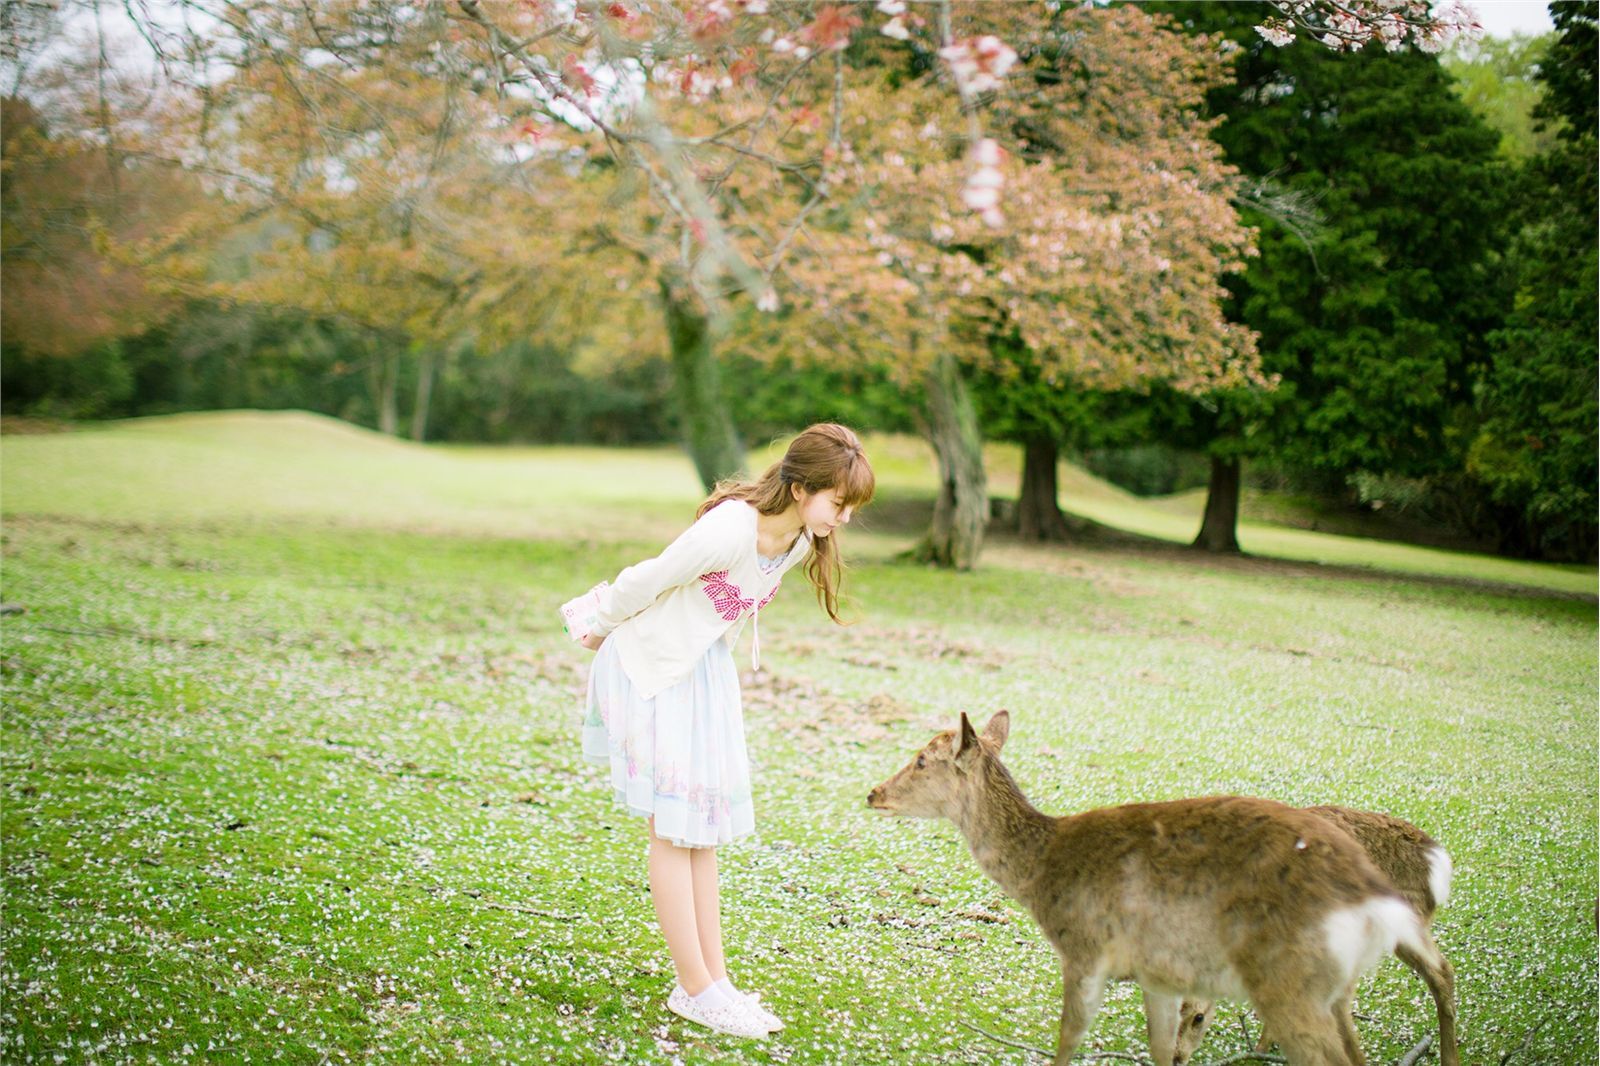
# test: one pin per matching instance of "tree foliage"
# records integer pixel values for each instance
(1535, 450)
(1374, 320)
(63, 200)
(1498, 78)
(1116, 223)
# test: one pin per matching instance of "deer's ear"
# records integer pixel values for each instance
(969, 743)
(998, 729)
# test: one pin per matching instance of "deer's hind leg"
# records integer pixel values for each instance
(1344, 1017)
(1436, 970)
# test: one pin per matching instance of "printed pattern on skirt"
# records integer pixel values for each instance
(679, 757)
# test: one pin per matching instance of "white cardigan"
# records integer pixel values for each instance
(665, 612)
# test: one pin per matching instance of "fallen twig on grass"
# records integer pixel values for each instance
(1525, 1042)
(476, 895)
(497, 906)
(1413, 1056)
(113, 631)
(1370, 1020)
(1009, 1043)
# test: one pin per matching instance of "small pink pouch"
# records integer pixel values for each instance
(580, 615)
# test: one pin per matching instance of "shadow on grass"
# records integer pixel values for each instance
(902, 514)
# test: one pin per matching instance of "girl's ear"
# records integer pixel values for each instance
(795, 491)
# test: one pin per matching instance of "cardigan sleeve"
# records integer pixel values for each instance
(712, 543)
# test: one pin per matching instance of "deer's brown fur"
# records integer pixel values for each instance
(1211, 897)
(1420, 869)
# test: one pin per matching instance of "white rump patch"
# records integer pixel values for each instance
(1361, 935)
(1439, 873)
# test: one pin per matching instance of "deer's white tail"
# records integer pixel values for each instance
(1440, 871)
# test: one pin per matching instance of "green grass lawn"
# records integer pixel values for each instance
(290, 760)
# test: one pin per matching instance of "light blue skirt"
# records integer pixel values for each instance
(680, 757)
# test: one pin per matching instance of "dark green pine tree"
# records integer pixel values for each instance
(1376, 319)
(1535, 449)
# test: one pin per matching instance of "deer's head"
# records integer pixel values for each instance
(932, 784)
(1193, 1021)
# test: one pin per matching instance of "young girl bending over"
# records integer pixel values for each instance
(663, 704)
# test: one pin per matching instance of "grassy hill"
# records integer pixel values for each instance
(291, 466)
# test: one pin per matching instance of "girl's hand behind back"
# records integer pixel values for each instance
(593, 642)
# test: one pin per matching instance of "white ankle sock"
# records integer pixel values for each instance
(712, 997)
(728, 989)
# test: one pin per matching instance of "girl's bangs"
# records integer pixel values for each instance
(858, 484)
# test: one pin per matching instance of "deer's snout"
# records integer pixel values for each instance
(876, 799)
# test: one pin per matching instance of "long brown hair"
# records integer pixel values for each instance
(823, 457)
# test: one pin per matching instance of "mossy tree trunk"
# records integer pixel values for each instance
(962, 509)
(383, 382)
(707, 427)
(424, 397)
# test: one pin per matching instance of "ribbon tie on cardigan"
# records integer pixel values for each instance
(755, 641)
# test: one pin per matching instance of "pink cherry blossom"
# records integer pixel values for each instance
(979, 64)
(1352, 24)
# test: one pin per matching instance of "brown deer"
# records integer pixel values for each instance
(1417, 866)
(1213, 897)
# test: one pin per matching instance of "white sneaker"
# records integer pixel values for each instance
(753, 1004)
(734, 1019)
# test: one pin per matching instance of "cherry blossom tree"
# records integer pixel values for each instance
(1103, 260)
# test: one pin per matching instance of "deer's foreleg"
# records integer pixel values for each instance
(1161, 1021)
(1080, 998)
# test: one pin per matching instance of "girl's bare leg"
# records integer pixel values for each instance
(672, 890)
(708, 910)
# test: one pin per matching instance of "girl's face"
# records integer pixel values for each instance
(823, 512)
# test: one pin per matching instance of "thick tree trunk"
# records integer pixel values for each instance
(707, 427)
(1039, 515)
(1219, 530)
(419, 409)
(956, 536)
(383, 379)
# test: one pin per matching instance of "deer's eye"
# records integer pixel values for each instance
(922, 762)
(1199, 1019)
